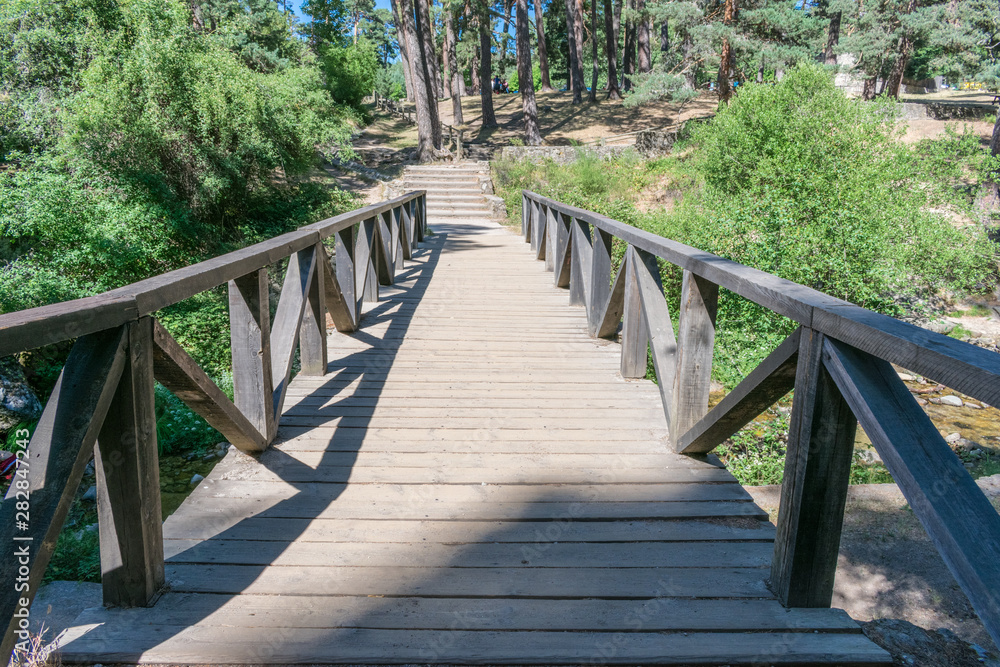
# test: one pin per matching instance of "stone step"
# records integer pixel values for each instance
(434, 202)
(458, 214)
(442, 180)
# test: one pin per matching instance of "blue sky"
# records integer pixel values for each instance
(379, 4)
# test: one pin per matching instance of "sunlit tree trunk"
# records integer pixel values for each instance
(428, 123)
(486, 70)
(543, 52)
(645, 59)
(575, 66)
(595, 70)
(452, 60)
(664, 40)
(532, 137)
(611, 46)
(690, 74)
(723, 81)
(403, 32)
(832, 38)
(628, 57)
(579, 16)
(508, 5)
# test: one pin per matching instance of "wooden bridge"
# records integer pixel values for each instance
(473, 472)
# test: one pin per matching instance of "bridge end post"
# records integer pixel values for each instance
(814, 488)
(128, 481)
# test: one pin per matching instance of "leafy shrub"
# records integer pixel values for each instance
(350, 71)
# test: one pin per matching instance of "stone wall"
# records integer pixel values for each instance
(559, 154)
(946, 111)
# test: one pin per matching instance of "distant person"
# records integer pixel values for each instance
(496, 84)
(503, 87)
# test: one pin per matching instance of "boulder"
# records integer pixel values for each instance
(18, 402)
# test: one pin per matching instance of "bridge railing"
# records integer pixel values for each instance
(838, 363)
(102, 403)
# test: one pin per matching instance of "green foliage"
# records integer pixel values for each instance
(77, 557)
(351, 71)
(390, 82)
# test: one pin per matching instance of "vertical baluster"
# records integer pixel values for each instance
(346, 271)
(382, 249)
(579, 281)
(600, 279)
(814, 488)
(399, 250)
(531, 234)
(128, 481)
(563, 249)
(364, 262)
(549, 229)
(695, 344)
(250, 339)
(312, 334)
(526, 208)
(635, 338)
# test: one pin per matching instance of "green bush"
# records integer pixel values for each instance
(351, 71)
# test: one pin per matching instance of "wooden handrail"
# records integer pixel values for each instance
(102, 404)
(35, 327)
(837, 362)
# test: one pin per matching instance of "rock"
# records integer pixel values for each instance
(18, 402)
(912, 645)
(196, 478)
(90, 494)
(89, 470)
(906, 377)
(953, 437)
(869, 457)
(921, 401)
(973, 406)
(990, 485)
(939, 326)
(211, 456)
(954, 401)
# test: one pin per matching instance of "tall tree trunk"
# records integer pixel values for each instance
(611, 46)
(832, 38)
(664, 41)
(445, 63)
(404, 31)
(505, 37)
(726, 61)
(525, 81)
(486, 70)
(543, 52)
(903, 51)
(690, 74)
(575, 66)
(645, 60)
(428, 124)
(451, 52)
(579, 17)
(618, 23)
(628, 58)
(423, 8)
(595, 69)
(868, 92)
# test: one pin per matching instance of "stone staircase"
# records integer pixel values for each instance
(453, 190)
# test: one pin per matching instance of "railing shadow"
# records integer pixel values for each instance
(282, 484)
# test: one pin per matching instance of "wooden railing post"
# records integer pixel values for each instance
(345, 271)
(312, 335)
(635, 338)
(364, 263)
(600, 279)
(546, 232)
(814, 488)
(250, 338)
(579, 274)
(128, 481)
(527, 207)
(695, 344)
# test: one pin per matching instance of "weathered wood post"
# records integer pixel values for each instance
(635, 339)
(814, 489)
(250, 338)
(695, 344)
(346, 274)
(579, 274)
(312, 335)
(364, 262)
(600, 279)
(128, 481)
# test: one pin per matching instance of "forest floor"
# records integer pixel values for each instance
(389, 141)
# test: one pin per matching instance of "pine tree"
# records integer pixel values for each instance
(532, 137)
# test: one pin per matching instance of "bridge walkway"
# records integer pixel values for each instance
(472, 482)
